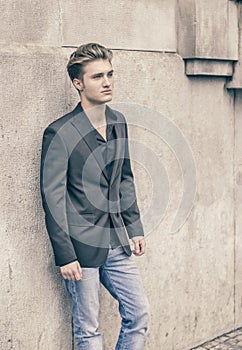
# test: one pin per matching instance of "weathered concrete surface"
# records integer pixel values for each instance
(238, 208)
(209, 67)
(236, 81)
(30, 21)
(34, 307)
(188, 276)
(134, 25)
(208, 29)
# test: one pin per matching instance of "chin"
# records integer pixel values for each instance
(107, 99)
(102, 101)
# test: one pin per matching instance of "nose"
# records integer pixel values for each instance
(106, 81)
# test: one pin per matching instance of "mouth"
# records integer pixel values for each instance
(107, 92)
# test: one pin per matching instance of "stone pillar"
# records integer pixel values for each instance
(35, 311)
(208, 36)
(236, 81)
(238, 208)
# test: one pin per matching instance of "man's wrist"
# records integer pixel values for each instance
(137, 238)
(68, 262)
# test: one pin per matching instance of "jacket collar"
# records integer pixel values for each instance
(82, 123)
(110, 115)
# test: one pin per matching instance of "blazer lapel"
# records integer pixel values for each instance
(119, 154)
(81, 122)
(119, 142)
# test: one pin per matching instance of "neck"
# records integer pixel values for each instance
(96, 113)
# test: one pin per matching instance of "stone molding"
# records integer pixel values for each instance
(236, 81)
(200, 22)
(209, 67)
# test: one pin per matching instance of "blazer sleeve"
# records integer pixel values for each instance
(128, 201)
(53, 181)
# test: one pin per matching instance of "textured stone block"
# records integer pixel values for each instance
(238, 209)
(208, 29)
(134, 25)
(236, 82)
(209, 67)
(35, 310)
(30, 21)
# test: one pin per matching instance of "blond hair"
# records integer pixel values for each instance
(84, 54)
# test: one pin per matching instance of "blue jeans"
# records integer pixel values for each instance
(120, 277)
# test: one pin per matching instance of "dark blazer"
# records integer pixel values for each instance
(79, 200)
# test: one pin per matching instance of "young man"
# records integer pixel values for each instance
(90, 204)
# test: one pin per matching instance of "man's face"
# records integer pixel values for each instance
(96, 86)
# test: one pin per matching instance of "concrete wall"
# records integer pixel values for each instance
(208, 29)
(34, 310)
(238, 208)
(192, 278)
(126, 24)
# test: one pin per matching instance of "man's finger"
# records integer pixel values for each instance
(142, 246)
(79, 272)
(78, 275)
(136, 247)
(79, 269)
(139, 247)
(71, 276)
(75, 274)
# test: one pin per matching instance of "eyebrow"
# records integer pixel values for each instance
(101, 73)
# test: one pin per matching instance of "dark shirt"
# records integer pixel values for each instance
(107, 148)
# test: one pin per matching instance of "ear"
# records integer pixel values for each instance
(78, 84)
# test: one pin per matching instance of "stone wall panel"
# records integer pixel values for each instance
(208, 29)
(35, 310)
(30, 21)
(134, 25)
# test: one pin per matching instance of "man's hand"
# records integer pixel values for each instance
(72, 271)
(139, 245)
